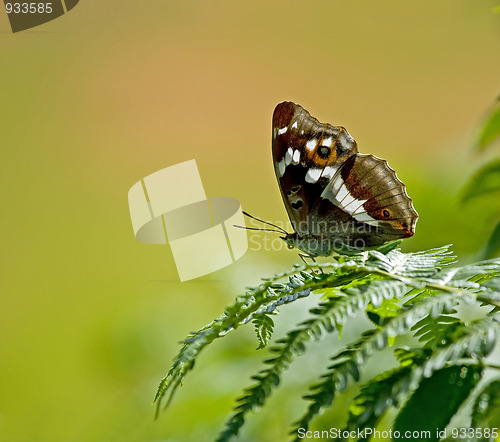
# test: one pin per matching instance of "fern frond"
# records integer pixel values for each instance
(472, 279)
(371, 281)
(419, 264)
(264, 326)
(431, 331)
(285, 351)
(375, 397)
(241, 312)
(471, 276)
(393, 387)
(388, 309)
(477, 340)
(327, 317)
(279, 289)
(336, 379)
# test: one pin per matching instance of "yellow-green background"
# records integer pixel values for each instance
(113, 91)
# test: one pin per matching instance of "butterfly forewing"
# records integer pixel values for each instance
(306, 155)
(334, 196)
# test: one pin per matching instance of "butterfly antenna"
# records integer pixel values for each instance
(255, 228)
(265, 222)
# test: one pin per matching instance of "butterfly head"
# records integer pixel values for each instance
(309, 244)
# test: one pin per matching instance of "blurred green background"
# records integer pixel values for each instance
(90, 319)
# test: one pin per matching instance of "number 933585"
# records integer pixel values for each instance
(474, 433)
(28, 8)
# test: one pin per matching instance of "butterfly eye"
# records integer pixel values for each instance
(386, 213)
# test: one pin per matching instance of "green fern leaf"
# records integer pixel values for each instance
(431, 331)
(327, 317)
(419, 264)
(382, 392)
(335, 380)
(375, 281)
(255, 301)
(392, 388)
(437, 400)
(264, 326)
(388, 309)
(262, 298)
(486, 410)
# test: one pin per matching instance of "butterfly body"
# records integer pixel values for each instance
(336, 198)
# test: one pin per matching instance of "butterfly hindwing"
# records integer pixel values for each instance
(335, 196)
(369, 192)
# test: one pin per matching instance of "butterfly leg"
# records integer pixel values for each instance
(303, 257)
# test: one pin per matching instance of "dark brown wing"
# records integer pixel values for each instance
(306, 155)
(368, 191)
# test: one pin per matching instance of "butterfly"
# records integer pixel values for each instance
(337, 199)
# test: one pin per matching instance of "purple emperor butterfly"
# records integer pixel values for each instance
(337, 199)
